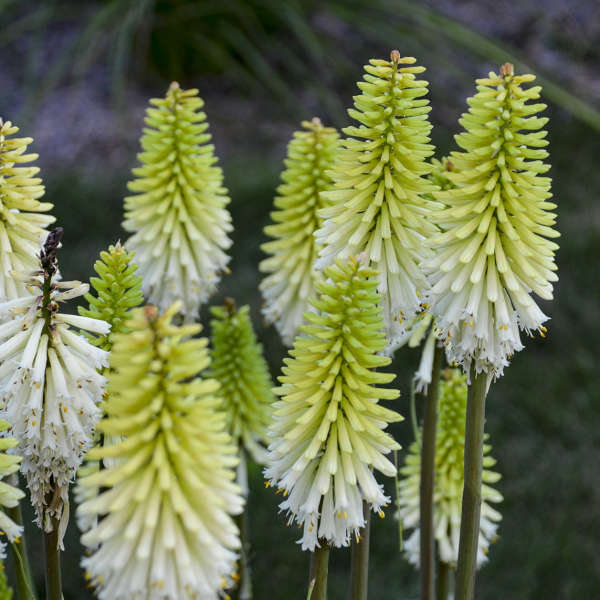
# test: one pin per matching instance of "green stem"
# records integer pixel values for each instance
(319, 568)
(24, 579)
(413, 412)
(443, 585)
(359, 568)
(426, 526)
(52, 559)
(243, 589)
(471, 502)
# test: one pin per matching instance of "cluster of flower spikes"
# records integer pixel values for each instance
(9, 494)
(378, 199)
(290, 266)
(49, 383)
(165, 529)
(327, 433)
(118, 289)
(178, 212)
(449, 479)
(493, 250)
(239, 366)
(22, 218)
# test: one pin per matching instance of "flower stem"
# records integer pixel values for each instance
(443, 581)
(24, 579)
(471, 502)
(243, 589)
(427, 539)
(359, 567)
(52, 556)
(319, 568)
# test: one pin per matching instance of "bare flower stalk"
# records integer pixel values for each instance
(427, 539)
(471, 503)
(319, 569)
(359, 567)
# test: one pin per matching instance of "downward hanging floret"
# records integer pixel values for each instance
(378, 204)
(239, 366)
(178, 215)
(22, 218)
(449, 480)
(290, 279)
(164, 529)
(327, 436)
(494, 250)
(49, 383)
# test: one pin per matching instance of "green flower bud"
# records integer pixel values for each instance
(118, 290)
(239, 366)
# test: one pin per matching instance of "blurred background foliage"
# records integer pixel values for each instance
(76, 76)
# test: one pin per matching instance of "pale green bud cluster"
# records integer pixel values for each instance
(494, 250)
(118, 290)
(290, 279)
(178, 213)
(449, 479)
(239, 366)
(165, 527)
(378, 196)
(327, 436)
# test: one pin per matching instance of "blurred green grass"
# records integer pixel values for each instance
(543, 415)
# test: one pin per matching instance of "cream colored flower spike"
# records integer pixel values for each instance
(178, 215)
(9, 495)
(378, 204)
(165, 529)
(328, 433)
(290, 279)
(22, 219)
(494, 250)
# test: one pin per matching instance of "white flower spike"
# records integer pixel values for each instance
(22, 218)
(49, 385)
(378, 198)
(165, 529)
(328, 434)
(178, 214)
(494, 250)
(290, 272)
